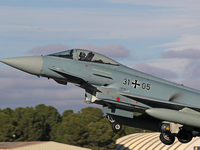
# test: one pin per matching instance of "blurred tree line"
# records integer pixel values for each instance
(88, 128)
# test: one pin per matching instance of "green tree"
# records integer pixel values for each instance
(31, 124)
(52, 118)
(71, 131)
(93, 111)
(51, 114)
(8, 127)
(87, 128)
(67, 113)
(8, 111)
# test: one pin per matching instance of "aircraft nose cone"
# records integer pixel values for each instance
(32, 65)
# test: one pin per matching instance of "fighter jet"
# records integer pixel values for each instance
(127, 96)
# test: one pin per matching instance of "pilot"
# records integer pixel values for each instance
(82, 56)
(89, 56)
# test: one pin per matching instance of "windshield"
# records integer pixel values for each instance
(65, 54)
(85, 55)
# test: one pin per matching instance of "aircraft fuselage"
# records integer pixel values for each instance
(122, 91)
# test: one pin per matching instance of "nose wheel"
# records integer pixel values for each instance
(116, 126)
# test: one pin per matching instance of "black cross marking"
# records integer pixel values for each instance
(136, 84)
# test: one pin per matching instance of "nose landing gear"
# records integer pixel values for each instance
(116, 126)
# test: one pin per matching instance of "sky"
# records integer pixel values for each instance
(161, 38)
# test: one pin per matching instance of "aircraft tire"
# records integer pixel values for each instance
(166, 139)
(184, 136)
(116, 127)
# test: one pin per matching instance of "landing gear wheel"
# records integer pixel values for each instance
(116, 127)
(167, 139)
(184, 136)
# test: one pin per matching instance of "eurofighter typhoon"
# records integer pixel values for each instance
(171, 109)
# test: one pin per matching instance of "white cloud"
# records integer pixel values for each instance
(185, 53)
(194, 4)
(90, 23)
(183, 43)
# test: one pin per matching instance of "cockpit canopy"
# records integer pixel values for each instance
(85, 55)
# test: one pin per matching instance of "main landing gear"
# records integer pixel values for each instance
(116, 126)
(167, 139)
(183, 135)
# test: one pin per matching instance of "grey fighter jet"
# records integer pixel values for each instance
(172, 109)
